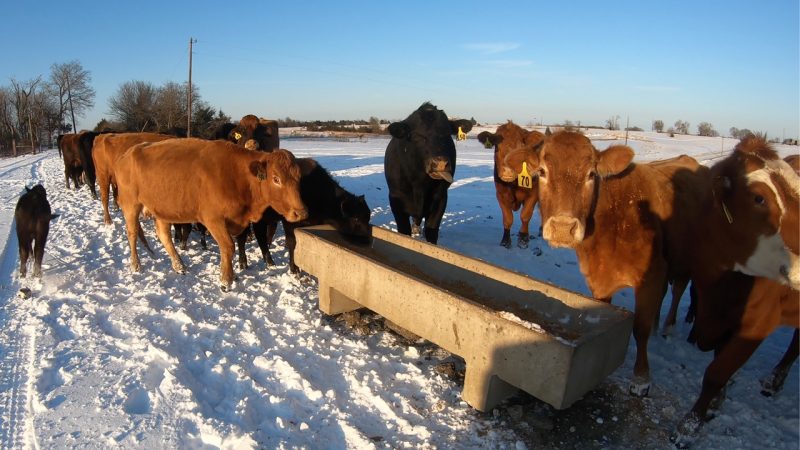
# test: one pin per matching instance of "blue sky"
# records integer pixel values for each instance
(730, 63)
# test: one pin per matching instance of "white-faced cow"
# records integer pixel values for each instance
(745, 269)
(216, 183)
(523, 190)
(624, 220)
(32, 216)
(419, 165)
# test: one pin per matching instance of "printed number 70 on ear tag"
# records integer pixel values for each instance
(524, 178)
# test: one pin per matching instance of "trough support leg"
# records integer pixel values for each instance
(482, 389)
(333, 302)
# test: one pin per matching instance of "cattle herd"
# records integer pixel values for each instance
(730, 230)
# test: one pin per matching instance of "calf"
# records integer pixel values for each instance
(327, 203)
(746, 268)
(253, 133)
(419, 165)
(627, 222)
(217, 183)
(32, 216)
(523, 190)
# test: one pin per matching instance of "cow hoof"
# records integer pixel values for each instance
(179, 268)
(687, 431)
(667, 331)
(136, 268)
(415, 231)
(224, 288)
(523, 240)
(506, 243)
(639, 387)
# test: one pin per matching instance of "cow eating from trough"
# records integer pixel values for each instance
(32, 216)
(327, 203)
(419, 165)
(216, 183)
(523, 190)
(746, 270)
(626, 221)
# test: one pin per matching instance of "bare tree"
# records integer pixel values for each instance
(613, 123)
(133, 105)
(70, 83)
(169, 110)
(706, 129)
(682, 127)
(658, 126)
(8, 122)
(23, 95)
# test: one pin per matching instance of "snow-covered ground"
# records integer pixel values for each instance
(101, 358)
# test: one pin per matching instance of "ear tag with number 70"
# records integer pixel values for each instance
(524, 178)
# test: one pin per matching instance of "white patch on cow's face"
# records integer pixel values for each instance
(763, 176)
(772, 259)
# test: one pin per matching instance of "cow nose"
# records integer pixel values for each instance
(251, 144)
(507, 174)
(439, 164)
(563, 231)
(298, 215)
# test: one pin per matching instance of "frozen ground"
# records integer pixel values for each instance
(101, 358)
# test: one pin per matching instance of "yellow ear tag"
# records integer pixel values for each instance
(461, 136)
(237, 136)
(524, 178)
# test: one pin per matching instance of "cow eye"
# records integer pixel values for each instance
(591, 176)
(276, 180)
(542, 173)
(759, 200)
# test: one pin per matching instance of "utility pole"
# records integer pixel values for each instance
(627, 125)
(189, 100)
(71, 109)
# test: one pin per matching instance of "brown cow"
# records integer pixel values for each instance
(216, 183)
(746, 269)
(107, 149)
(522, 191)
(70, 152)
(624, 221)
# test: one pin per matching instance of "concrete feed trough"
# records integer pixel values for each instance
(512, 331)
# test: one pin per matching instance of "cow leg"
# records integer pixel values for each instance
(291, 243)
(692, 312)
(416, 224)
(401, 217)
(162, 231)
(434, 219)
(202, 230)
(264, 230)
(66, 177)
(220, 234)
(103, 182)
(24, 253)
(241, 242)
(38, 249)
(726, 362)
(133, 228)
(115, 190)
(508, 220)
(774, 382)
(525, 217)
(678, 288)
(649, 296)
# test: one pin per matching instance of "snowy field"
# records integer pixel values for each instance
(101, 358)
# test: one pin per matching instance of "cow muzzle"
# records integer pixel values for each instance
(563, 231)
(439, 169)
(251, 144)
(507, 174)
(296, 215)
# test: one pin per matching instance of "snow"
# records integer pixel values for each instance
(98, 357)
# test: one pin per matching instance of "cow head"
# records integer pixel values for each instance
(253, 133)
(354, 223)
(505, 139)
(278, 177)
(757, 194)
(570, 171)
(427, 136)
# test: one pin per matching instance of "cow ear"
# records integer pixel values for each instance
(465, 126)
(259, 169)
(307, 165)
(400, 130)
(547, 132)
(614, 160)
(488, 139)
(528, 154)
(234, 135)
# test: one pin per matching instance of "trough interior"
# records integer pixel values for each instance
(571, 321)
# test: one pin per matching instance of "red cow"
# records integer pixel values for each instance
(522, 191)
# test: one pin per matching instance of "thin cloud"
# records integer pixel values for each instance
(490, 48)
(510, 63)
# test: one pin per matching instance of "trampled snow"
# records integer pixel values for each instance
(98, 357)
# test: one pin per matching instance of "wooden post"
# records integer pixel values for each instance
(189, 101)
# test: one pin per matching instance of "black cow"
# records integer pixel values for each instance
(327, 203)
(182, 231)
(253, 133)
(85, 145)
(32, 216)
(419, 166)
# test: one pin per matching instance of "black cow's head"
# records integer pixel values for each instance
(355, 219)
(426, 136)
